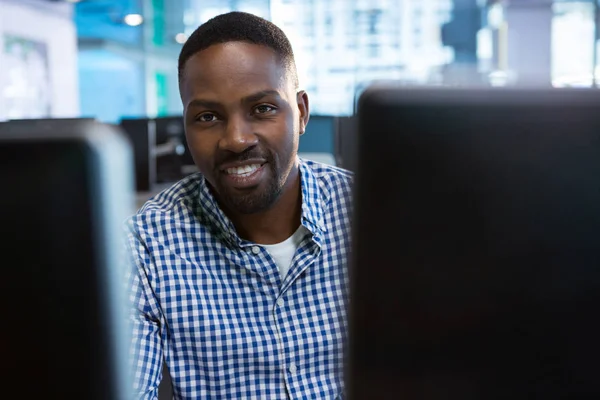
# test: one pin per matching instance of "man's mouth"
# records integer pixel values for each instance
(243, 170)
(244, 175)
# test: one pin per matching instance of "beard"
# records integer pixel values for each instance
(256, 199)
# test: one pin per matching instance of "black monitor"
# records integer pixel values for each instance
(169, 127)
(476, 254)
(345, 137)
(66, 190)
(170, 133)
(160, 150)
(142, 135)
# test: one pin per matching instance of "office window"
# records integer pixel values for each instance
(374, 50)
(329, 24)
(573, 44)
(373, 20)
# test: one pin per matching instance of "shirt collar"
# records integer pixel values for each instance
(312, 208)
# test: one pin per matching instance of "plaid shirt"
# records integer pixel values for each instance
(215, 308)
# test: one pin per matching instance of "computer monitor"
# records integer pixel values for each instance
(345, 137)
(170, 165)
(160, 150)
(476, 255)
(67, 188)
(142, 135)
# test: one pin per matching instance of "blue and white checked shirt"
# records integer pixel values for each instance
(215, 307)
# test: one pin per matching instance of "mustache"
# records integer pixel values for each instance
(225, 156)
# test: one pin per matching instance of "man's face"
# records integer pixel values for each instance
(243, 118)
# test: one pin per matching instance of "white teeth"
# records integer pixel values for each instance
(243, 170)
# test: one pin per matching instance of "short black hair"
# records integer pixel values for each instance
(239, 27)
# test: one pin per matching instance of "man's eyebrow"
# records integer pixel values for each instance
(204, 103)
(247, 99)
(260, 95)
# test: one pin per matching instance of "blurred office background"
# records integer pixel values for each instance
(116, 60)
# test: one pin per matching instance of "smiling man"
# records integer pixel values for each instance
(238, 278)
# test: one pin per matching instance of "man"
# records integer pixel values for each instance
(239, 276)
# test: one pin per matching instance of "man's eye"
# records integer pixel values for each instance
(207, 117)
(263, 109)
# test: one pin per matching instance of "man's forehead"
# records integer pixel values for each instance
(234, 67)
(235, 58)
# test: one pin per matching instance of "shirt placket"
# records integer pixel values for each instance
(305, 257)
(263, 263)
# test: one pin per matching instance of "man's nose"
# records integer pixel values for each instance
(238, 135)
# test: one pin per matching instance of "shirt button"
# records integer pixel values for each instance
(293, 368)
(280, 302)
(256, 249)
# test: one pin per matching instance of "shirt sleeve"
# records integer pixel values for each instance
(146, 350)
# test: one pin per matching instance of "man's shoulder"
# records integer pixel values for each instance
(329, 173)
(175, 202)
(333, 181)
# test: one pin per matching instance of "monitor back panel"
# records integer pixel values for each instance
(476, 256)
(60, 332)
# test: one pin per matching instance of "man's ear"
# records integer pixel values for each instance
(303, 107)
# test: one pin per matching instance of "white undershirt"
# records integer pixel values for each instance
(283, 253)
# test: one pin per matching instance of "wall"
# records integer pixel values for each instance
(318, 137)
(51, 26)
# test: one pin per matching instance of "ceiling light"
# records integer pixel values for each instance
(181, 38)
(133, 19)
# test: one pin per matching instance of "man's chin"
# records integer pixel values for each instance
(249, 200)
(247, 206)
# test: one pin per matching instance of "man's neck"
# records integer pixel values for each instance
(278, 222)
